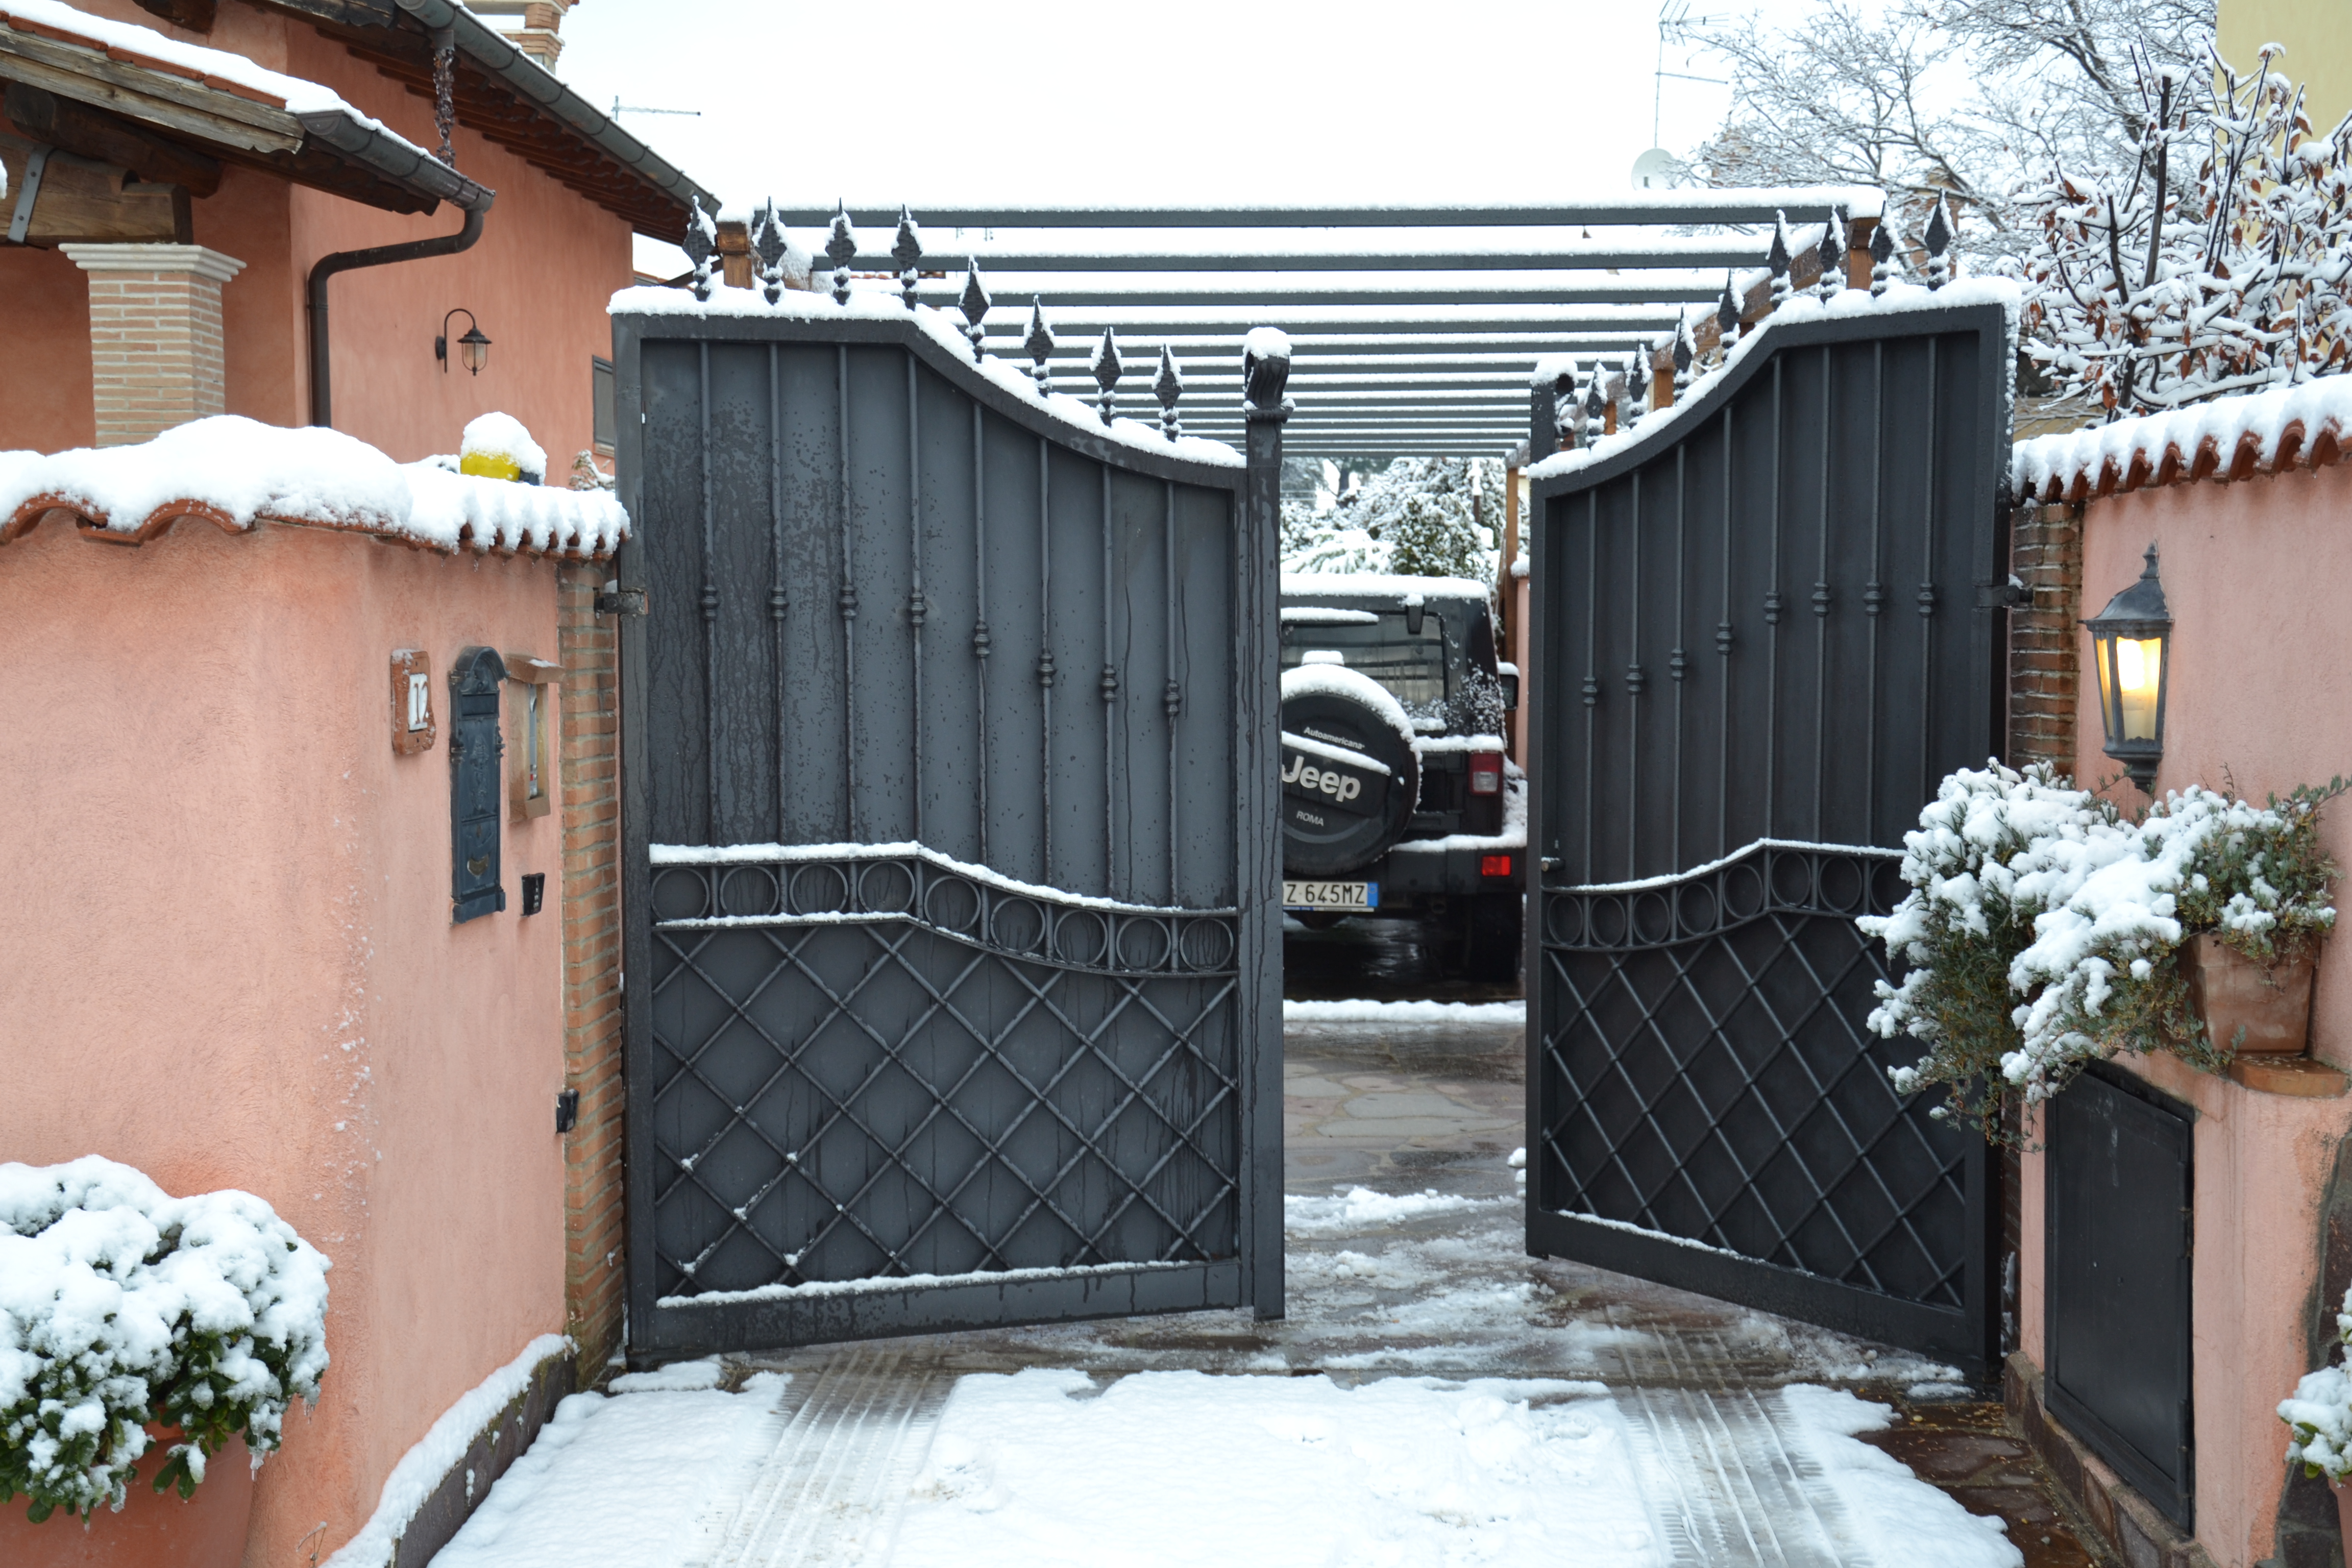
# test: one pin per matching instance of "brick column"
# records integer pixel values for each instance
(2044, 638)
(595, 1216)
(154, 335)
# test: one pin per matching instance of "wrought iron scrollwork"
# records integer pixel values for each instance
(841, 249)
(907, 251)
(1039, 344)
(974, 306)
(1832, 255)
(701, 246)
(1104, 363)
(1168, 386)
(769, 243)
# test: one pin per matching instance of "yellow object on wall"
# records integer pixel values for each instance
(490, 466)
(2316, 35)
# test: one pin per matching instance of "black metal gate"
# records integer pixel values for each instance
(1763, 629)
(2117, 1249)
(950, 857)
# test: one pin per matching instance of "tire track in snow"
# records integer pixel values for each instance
(830, 1494)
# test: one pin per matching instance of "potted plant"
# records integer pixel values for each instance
(2257, 909)
(2319, 1414)
(149, 1346)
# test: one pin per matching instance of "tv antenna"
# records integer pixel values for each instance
(619, 109)
(1677, 25)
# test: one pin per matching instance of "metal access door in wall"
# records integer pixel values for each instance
(954, 975)
(2116, 1301)
(1765, 628)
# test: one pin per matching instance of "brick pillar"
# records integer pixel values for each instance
(154, 335)
(2044, 636)
(595, 1261)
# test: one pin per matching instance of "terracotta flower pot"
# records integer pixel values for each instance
(2343, 1508)
(206, 1531)
(2231, 992)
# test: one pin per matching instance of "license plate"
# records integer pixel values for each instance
(1330, 895)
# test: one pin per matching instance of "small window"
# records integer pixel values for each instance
(606, 421)
(1410, 664)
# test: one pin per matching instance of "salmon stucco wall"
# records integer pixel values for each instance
(2259, 692)
(225, 907)
(537, 281)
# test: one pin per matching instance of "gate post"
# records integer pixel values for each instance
(1266, 370)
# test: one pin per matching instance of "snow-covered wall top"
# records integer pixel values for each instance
(2228, 438)
(1899, 297)
(877, 305)
(233, 472)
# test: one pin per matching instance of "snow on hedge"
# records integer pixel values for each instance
(121, 1305)
(234, 471)
(876, 305)
(2227, 439)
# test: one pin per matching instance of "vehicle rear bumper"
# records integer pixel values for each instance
(1410, 878)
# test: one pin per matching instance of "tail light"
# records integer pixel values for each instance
(1486, 772)
(1494, 865)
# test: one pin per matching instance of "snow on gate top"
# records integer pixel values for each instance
(874, 305)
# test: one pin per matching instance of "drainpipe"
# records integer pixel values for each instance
(322, 400)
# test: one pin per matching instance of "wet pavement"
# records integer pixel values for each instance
(1405, 1255)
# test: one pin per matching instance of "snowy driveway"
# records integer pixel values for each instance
(1435, 1398)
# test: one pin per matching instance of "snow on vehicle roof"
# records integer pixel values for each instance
(234, 472)
(1322, 615)
(1338, 680)
(2229, 439)
(1380, 585)
(877, 305)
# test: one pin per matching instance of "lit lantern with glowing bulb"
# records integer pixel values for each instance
(2131, 640)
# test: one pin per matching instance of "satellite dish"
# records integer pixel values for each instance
(1656, 170)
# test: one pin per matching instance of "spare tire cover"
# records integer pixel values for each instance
(1349, 774)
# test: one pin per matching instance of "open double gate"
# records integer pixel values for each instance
(948, 837)
(1764, 630)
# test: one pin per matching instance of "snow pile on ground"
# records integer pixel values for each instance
(233, 472)
(120, 1304)
(1181, 1467)
(1404, 1013)
(1898, 1518)
(646, 1478)
(1360, 1207)
(2228, 438)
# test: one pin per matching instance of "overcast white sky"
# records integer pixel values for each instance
(1053, 101)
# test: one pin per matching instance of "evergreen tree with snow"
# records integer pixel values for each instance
(1419, 517)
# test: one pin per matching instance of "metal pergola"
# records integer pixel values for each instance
(1413, 329)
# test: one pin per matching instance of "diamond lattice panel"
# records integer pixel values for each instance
(1708, 1076)
(928, 1075)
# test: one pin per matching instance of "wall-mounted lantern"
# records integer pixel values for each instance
(474, 349)
(2131, 640)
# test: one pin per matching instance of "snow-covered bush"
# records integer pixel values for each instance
(1963, 924)
(121, 1305)
(2217, 260)
(1419, 517)
(2042, 929)
(2319, 1413)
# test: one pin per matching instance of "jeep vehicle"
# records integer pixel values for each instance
(1397, 801)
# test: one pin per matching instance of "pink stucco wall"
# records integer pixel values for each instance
(2260, 689)
(224, 904)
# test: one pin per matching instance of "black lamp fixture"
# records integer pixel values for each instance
(2132, 638)
(473, 347)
